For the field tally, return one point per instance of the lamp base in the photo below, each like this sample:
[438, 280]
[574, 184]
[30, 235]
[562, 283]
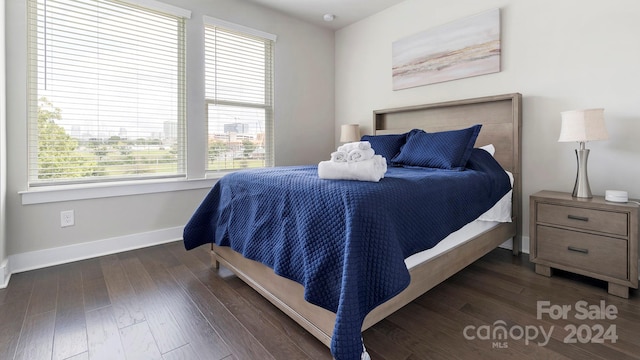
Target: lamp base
[581, 189]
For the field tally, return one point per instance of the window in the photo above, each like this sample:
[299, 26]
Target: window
[106, 91]
[238, 91]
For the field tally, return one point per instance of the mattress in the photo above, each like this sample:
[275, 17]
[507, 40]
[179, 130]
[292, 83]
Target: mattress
[499, 213]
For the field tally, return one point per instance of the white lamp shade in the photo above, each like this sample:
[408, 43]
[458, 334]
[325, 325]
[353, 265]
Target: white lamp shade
[349, 133]
[583, 125]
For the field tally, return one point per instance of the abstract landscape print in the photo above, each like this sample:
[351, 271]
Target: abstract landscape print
[460, 49]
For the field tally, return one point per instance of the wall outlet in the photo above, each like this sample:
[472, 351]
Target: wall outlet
[67, 218]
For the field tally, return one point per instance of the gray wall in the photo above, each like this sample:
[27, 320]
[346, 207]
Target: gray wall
[3, 149]
[304, 128]
[561, 55]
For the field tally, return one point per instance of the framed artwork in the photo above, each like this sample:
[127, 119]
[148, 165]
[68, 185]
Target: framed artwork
[460, 49]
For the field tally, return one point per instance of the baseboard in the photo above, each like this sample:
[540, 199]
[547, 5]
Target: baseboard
[5, 274]
[65, 254]
[524, 247]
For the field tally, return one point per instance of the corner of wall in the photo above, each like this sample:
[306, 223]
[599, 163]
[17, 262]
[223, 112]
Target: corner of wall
[524, 245]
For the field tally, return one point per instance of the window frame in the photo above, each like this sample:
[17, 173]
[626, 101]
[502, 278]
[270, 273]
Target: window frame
[268, 106]
[34, 72]
[197, 178]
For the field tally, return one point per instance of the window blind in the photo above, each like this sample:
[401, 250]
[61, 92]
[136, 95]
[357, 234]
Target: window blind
[239, 96]
[106, 92]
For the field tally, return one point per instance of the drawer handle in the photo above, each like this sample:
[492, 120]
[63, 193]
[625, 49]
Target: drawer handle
[572, 248]
[581, 218]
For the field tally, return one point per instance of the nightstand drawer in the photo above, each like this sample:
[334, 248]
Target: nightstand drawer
[581, 218]
[595, 253]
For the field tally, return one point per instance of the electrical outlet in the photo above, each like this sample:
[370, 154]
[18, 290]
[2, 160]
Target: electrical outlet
[67, 218]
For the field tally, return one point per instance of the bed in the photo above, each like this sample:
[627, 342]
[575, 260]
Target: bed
[500, 117]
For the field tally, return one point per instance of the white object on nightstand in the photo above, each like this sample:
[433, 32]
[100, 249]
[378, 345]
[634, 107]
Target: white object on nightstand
[616, 196]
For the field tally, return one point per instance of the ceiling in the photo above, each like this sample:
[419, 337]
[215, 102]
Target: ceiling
[346, 11]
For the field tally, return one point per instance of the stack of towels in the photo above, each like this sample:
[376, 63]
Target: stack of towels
[354, 161]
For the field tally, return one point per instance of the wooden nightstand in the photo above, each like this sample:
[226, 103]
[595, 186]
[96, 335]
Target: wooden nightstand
[592, 237]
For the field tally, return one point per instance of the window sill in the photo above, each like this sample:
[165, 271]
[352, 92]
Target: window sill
[51, 194]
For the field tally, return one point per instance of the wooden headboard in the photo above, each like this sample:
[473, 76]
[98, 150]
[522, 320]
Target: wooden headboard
[501, 119]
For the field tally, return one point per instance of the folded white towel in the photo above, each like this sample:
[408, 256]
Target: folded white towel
[339, 156]
[362, 145]
[381, 164]
[367, 170]
[360, 155]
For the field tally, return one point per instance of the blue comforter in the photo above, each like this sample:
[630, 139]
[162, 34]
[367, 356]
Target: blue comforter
[344, 241]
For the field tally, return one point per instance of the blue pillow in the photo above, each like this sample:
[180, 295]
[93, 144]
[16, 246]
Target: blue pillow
[445, 150]
[386, 145]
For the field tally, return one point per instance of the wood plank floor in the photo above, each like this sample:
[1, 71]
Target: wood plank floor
[166, 303]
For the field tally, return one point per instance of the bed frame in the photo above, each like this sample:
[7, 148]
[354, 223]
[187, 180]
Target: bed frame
[501, 119]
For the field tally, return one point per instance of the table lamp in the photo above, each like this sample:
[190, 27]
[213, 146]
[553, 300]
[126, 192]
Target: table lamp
[582, 126]
[349, 133]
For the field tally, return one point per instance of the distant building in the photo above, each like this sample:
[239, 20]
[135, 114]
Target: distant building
[170, 130]
[260, 138]
[237, 128]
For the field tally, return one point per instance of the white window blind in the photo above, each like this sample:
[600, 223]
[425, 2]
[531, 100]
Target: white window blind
[238, 91]
[106, 92]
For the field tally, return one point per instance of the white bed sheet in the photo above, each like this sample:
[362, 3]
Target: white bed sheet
[499, 213]
[456, 238]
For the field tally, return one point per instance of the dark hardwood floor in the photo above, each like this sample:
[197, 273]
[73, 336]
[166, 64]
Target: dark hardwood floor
[166, 303]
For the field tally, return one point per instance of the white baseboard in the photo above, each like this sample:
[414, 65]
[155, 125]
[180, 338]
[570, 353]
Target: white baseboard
[65, 254]
[5, 274]
[524, 247]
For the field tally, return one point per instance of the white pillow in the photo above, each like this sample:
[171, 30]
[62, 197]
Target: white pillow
[489, 148]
